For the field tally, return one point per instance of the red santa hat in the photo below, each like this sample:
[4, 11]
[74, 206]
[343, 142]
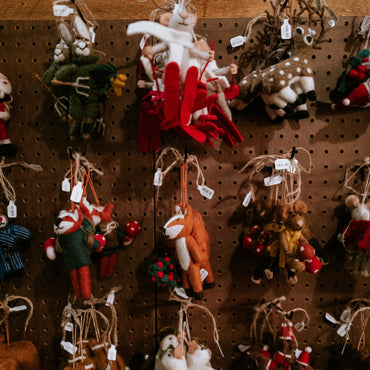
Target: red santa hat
[265, 351]
[285, 331]
[304, 357]
[314, 266]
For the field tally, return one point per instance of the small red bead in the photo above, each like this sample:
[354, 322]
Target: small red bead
[361, 69]
[160, 264]
[167, 259]
[160, 274]
[154, 279]
[163, 285]
[172, 266]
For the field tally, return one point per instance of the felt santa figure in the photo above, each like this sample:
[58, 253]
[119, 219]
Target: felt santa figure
[6, 147]
[304, 357]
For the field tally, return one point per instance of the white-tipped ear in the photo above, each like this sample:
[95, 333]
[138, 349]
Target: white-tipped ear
[178, 210]
[81, 28]
[186, 211]
[66, 33]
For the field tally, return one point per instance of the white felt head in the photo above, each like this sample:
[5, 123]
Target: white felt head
[61, 53]
[167, 341]
[201, 357]
[82, 47]
[66, 221]
[5, 86]
[169, 362]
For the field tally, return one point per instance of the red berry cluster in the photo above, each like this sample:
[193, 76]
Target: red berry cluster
[256, 239]
[163, 271]
[359, 73]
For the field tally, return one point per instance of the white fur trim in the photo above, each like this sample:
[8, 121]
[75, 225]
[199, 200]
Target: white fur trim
[50, 253]
[4, 115]
[183, 253]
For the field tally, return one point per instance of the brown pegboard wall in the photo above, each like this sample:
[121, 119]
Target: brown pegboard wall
[335, 140]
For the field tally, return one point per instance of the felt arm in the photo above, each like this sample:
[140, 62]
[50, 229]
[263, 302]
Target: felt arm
[49, 246]
[50, 73]
[197, 53]
[193, 248]
[66, 73]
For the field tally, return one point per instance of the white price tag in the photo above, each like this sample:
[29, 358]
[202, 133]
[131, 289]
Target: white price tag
[69, 347]
[110, 298]
[91, 366]
[181, 292]
[76, 194]
[343, 329]
[247, 199]
[62, 10]
[18, 308]
[203, 274]
[242, 348]
[282, 164]
[292, 166]
[299, 326]
[273, 180]
[66, 185]
[331, 318]
[12, 210]
[346, 315]
[68, 327]
[158, 178]
[286, 30]
[112, 353]
[237, 41]
[143, 41]
[206, 191]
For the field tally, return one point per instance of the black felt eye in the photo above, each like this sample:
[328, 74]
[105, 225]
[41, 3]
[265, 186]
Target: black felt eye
[299, 30]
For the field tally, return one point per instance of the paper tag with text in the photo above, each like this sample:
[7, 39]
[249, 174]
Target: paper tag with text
[203, 274]
[158, 178]
[272, 180]
[286, 30]
[76, 194]
[12, 210]
[247, 199]
[237, 41]
[68, 327]
[62, 10]
[66, 185]
[206, 191]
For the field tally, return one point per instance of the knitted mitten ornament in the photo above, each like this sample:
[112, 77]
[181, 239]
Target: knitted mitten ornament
[75, 239]
[6, 147]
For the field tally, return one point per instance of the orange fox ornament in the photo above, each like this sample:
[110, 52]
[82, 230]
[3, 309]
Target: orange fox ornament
[192, 249]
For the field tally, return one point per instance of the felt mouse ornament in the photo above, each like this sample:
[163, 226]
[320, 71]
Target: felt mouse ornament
[6, 147]
[116, 239]
[356, 236]
[88, 80]
[75, 239]
[288, 238]
[285, 87]
[192, 245]
[13, 239]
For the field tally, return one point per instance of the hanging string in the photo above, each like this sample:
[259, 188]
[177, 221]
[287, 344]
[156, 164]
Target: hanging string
[248, 30]
[4, 305]
[351, 174]
[185, 305]
[290, 188]
[6, 185]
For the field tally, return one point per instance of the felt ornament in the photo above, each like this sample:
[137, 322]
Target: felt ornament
[179, 99]
[164, 270]
[6, 147]
[285, 87]
[13, 238]
[85, 351]
[87, 80]
[75, 239]
[198, 357]
[116, 238]
[355, 236]
[357, 71]
[192, 249]
[170, 355]
[18, 354]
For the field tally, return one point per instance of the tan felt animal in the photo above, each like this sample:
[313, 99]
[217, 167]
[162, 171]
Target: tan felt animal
[192, 249]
